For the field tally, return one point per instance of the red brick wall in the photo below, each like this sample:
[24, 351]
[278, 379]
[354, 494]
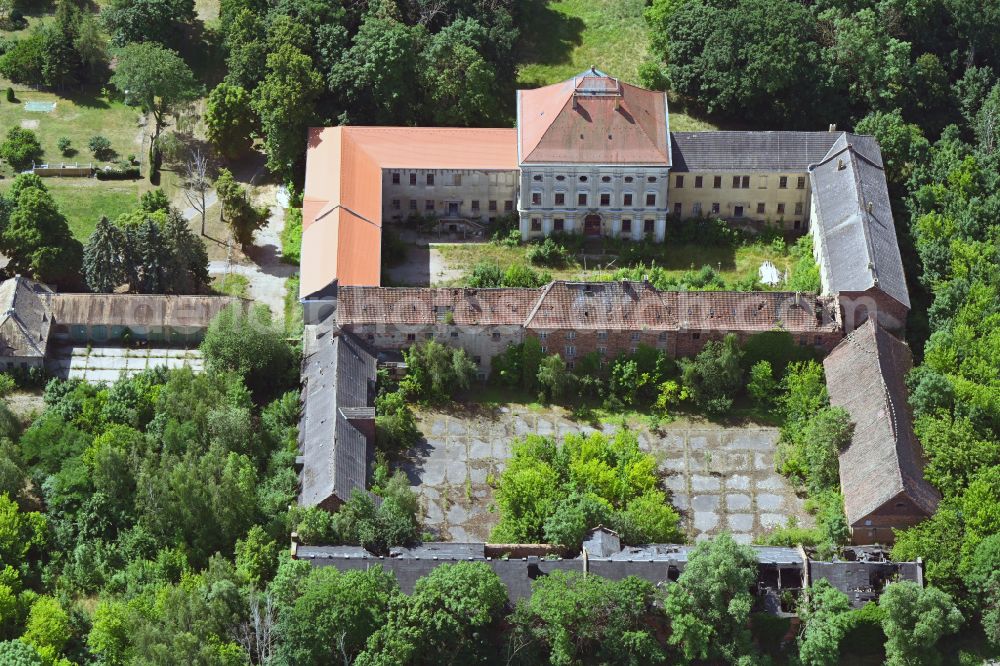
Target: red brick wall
[677, 344]
[857, 307]
[883, 520]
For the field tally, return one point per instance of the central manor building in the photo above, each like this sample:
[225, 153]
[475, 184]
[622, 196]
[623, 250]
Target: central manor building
[593, 155]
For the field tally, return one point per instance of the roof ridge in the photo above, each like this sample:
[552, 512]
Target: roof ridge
[886, 394]
[863, 206]
[538, 303]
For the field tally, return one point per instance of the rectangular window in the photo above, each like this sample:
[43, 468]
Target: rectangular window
[627, 199]
[798, 207]
[605, 199]
[413, 179]
[477, 360]
[429, 204]
[508, 206]
[781, 209]
[560, 198]
[746, 182]
[456, 179]
[395, 204]
[395, 178]
[536, 224]
[627, 226]
[783, 182]
[698, 181]
[430, 179]
[679, 182]
[696, 208]
[536, 198]
[581, 199]
[570, 351]
[648, 226]
[800, 183]
[543, 335]
[558, 224]
[571, 335]
[413, 204]
[677, 208]
[651, 200]
[715, 209]
[411, 337]
[602, 351]
[717, 182]
[736, 182]
[493, 205]
[635, 336]
[602, 335]
[760, 208]
[475, 205]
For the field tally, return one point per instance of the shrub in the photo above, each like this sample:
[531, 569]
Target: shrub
[65, 146]
[393, 247]
[119, 171]
[100, 146]
[485, 275]
[715, 375]
[547, 253]
[21, 148]
[291, 237]
[762, 386]
[10, 95]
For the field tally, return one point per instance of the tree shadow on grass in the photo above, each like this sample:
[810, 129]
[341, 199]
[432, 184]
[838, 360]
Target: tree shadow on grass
[549, 37]
[88, 98]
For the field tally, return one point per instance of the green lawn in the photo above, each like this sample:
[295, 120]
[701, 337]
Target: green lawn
[565, 37]
[84, 200]
[78, 118]
[732, 263]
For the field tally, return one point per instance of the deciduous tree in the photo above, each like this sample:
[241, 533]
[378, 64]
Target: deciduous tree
[156, 79]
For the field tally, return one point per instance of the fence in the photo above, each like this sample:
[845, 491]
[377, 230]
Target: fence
[63, 170]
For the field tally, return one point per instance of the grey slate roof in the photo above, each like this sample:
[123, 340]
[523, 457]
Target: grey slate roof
[338, 376]
[749, 151]
[866, 375]
[26, 318]
[854, 222]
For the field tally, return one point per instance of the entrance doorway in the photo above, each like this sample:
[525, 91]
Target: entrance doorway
[452, 209]
[592, 225]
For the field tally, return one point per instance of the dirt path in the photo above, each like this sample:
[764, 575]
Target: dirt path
[266, 272]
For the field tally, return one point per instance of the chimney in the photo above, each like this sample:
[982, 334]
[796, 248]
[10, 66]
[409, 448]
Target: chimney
[833, 127]
[593, 69]
[869, 207]
[840, 165]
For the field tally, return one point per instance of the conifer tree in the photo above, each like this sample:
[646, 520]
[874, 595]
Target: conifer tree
[152, 258]
[104, 258]
[188, 257]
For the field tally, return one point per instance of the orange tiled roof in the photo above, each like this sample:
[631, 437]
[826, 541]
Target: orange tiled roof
[483, 307]
[593, 119]
[633, 306]
[342, 206]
